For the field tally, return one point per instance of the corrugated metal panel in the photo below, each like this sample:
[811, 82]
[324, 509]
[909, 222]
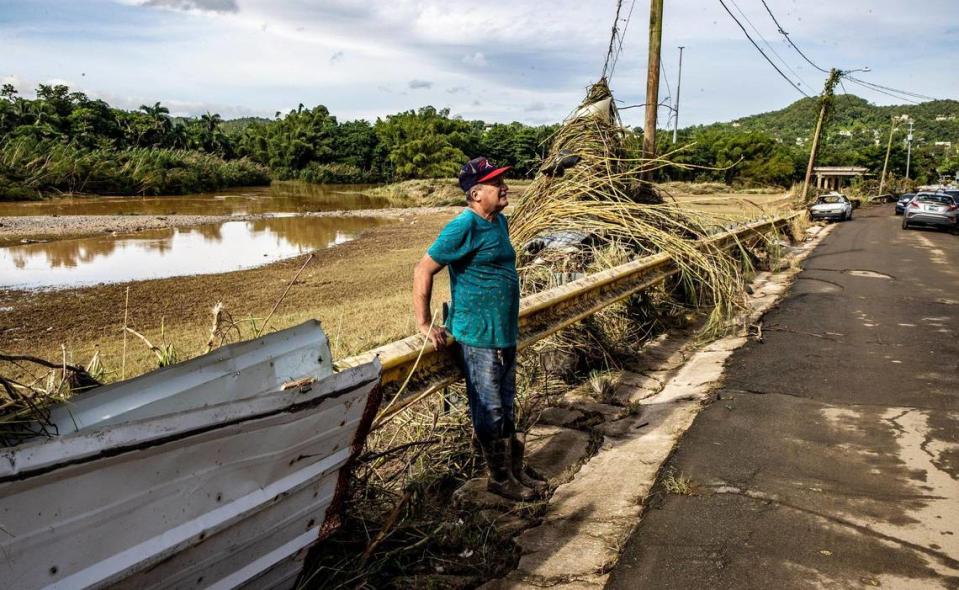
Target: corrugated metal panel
[239, 370]
[223, 495]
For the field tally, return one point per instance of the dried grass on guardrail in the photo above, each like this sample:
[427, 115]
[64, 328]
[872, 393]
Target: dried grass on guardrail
[605, 197]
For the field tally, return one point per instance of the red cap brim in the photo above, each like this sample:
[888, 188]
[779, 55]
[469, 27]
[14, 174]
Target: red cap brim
[494, 173]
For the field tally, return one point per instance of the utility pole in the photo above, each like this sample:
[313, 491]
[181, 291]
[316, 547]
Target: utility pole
[825, 101]
[885, 164]
[679, 82]
[652, 77]
[908, 149]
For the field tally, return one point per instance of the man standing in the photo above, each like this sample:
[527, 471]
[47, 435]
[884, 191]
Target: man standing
[483, 318]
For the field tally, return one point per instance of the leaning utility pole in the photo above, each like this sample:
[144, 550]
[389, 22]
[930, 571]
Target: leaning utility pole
[679, 82]
[825, 101]
[885, 164]
[652, 77]
[908, 149]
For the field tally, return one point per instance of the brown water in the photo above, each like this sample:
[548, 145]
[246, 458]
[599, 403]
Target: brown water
[280, 197]
[205, 249]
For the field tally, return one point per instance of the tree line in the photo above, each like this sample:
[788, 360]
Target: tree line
[64, 141]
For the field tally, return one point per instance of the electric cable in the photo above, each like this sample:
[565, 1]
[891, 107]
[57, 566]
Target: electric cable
[622, 37]
[669, 92]
[890, 89]
[759, 49]
[790, 41]
[769, 45]
[868, 87]
[612, 38]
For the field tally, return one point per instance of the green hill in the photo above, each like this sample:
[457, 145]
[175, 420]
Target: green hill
[773, 147]
[855, 122]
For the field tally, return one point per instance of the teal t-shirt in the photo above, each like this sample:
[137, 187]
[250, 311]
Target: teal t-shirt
[483, 280]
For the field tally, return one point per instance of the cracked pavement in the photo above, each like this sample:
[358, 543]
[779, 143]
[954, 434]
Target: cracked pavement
[830, 456]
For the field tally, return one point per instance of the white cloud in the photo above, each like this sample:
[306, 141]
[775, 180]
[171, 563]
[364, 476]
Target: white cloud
[202, 5]
[475, 59]
[420, 84]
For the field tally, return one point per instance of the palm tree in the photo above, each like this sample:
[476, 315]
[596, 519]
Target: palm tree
[161, 121]
[211, 121]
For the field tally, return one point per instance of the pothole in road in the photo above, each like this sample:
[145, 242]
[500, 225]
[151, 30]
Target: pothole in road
[869, 274]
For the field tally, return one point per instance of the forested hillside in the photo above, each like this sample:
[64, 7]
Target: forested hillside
[856, 133]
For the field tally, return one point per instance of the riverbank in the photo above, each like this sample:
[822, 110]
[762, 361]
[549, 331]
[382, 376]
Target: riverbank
[360, 290]
[46, 228]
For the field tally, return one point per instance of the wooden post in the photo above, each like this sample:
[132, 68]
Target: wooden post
[885, 164]
[825, 102]
[652, 77]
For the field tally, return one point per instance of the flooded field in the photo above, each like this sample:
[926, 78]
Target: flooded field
[152, 252]
[280, 197]
[206, 249]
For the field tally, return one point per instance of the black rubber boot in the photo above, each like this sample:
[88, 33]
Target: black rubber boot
[521, 471]
[501, 480]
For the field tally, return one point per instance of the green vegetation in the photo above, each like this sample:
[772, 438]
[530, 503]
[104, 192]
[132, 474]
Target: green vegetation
[63, 141]
[775, 146]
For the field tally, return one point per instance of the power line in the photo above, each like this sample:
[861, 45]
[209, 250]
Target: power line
[622, 37]
[612, 38]
[867, 86]
[768, 44]
[790, 41]
[887, 90]
[890, 89]
[669, 91]
[759, 49]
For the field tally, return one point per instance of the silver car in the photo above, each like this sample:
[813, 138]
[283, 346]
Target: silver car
[832, 206]
[938, 209]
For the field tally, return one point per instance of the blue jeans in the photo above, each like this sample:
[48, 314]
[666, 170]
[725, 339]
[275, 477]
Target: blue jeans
[491, 389]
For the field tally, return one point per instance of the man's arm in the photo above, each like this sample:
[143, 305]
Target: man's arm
[423, 275]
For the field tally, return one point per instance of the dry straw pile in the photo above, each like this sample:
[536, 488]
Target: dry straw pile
[605, 202]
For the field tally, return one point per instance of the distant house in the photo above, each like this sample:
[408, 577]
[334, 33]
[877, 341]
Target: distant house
[945, 144]
[845, 133]
[832, 178]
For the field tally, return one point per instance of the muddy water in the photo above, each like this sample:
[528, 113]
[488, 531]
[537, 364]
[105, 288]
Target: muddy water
[214, 248]
[280, 197]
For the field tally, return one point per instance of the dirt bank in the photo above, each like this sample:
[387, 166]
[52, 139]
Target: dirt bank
[359, 290]
[33, 228]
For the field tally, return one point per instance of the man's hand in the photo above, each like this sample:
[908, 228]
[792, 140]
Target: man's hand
[435, 334]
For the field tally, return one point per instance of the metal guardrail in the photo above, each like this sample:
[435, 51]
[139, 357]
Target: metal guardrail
[543, 314]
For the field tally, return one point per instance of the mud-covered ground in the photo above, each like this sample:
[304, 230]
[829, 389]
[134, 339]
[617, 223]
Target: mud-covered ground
[360, 290]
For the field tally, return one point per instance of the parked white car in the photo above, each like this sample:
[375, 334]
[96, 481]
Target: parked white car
[832, 206]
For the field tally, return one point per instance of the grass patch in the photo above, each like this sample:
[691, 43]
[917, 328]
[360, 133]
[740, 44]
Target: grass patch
[679, 485]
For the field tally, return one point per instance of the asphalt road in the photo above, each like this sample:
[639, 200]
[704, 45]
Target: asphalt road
[830, 458]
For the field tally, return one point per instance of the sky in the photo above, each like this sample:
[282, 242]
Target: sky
[496, 60]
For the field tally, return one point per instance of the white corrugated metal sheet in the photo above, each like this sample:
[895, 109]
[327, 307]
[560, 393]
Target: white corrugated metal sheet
[233, 372]
[220, 492]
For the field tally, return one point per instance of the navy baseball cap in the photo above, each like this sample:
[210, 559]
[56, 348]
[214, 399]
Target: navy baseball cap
[478, 170]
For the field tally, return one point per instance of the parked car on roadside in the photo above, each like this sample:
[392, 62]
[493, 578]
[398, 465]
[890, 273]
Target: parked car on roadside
[833, 206]
[903, 201]
[935, 209]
